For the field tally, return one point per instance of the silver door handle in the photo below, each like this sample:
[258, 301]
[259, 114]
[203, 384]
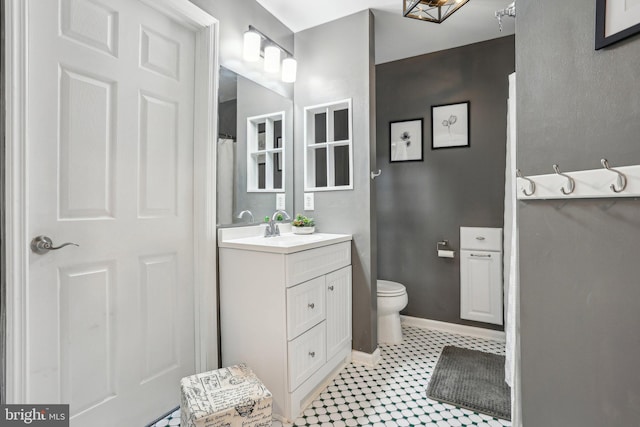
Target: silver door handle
[481, 256]
[43, 244]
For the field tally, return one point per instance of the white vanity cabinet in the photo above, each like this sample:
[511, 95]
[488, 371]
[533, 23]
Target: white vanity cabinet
[481, 274]
[288, 316]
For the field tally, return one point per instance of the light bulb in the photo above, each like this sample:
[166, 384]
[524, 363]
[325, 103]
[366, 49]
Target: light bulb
[289, 70]
[271, 59]
[251, 51]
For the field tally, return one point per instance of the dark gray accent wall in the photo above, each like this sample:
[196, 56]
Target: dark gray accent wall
[579, 269]
[421, 203]
[335, 62]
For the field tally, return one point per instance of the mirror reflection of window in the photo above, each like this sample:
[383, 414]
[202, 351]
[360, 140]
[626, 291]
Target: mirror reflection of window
[321, 128]
[262, 173]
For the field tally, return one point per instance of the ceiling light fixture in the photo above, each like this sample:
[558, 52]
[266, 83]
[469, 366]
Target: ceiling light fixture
[256, 43]
[431, 10]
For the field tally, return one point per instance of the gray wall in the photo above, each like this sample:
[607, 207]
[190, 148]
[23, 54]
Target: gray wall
[335, 62]
[421, 203]
[235, 16]
[579, 269]
[255, 100]
[228, 118]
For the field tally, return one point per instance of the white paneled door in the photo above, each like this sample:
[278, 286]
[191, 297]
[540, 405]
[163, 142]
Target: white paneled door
[110, 323]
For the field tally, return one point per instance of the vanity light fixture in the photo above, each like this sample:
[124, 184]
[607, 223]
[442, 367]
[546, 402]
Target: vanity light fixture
[251, 48]
[431, 10]
[272, 59]
[289, 70]
[257, 44]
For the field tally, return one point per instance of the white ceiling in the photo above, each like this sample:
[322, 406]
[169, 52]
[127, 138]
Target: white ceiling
[397, 37]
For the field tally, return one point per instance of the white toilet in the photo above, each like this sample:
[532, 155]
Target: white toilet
[392, 297]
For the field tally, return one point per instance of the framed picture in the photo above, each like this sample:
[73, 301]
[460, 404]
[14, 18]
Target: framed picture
[616, 20]
[405, 141]
[450, 125]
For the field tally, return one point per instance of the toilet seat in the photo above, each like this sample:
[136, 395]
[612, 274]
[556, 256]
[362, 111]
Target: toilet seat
[387, 288]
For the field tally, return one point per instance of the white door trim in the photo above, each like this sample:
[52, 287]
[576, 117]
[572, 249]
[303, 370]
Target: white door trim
[17, 180]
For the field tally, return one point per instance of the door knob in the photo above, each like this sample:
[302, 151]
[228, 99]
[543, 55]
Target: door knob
[43, 244]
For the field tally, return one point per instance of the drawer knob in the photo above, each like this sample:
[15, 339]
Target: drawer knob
[480, 238]
[312, 353]
[311, 306]
[331, 287]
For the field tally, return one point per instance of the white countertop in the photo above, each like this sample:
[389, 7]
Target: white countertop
[252, 239]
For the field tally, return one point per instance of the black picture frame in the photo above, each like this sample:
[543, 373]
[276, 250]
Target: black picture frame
[601, 16]
[405, 136]
[461, 111]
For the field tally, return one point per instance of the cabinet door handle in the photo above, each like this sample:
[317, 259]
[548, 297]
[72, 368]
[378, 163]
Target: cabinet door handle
[481, 256]
[479, 238]
[331, 287]
[312, 353]
[311, 306]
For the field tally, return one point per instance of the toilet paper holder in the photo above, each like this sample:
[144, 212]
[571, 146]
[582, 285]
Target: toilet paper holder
[443, 245]
[443, 250]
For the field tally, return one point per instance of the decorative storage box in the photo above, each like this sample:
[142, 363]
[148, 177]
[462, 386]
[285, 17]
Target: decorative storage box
[228, 397]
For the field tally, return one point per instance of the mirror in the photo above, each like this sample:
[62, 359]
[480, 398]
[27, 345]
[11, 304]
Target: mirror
[255, 150]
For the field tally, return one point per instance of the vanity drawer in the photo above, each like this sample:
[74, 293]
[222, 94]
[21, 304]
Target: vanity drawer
[306, 265]
[307, 354]
[481, 238]
[305, 306]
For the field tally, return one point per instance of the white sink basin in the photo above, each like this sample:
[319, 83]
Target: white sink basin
[285, 244]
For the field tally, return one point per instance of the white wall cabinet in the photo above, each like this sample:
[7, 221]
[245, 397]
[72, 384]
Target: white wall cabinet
[481, 274]
[288, 316]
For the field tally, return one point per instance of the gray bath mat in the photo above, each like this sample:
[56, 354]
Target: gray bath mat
[471, 379]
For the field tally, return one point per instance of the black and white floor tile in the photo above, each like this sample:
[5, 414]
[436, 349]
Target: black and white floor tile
[394, 392]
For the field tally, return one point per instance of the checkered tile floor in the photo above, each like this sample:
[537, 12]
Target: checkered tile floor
[394, 392]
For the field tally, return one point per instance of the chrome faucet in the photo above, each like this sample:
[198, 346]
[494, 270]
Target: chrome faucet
[248, 212]
[272, 229]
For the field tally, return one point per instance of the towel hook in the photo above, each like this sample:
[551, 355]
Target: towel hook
[532, 185]
[374, 175]
[572, 183]
[622, 179]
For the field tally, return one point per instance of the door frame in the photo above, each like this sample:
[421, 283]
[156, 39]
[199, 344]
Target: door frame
[206, 30]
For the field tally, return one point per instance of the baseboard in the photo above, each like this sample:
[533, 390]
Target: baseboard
[454, 328]
[369, 359]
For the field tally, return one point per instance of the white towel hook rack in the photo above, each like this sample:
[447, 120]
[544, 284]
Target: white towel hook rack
[581, 184]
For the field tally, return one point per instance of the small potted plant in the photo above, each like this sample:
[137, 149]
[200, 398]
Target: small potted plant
[303, 225]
